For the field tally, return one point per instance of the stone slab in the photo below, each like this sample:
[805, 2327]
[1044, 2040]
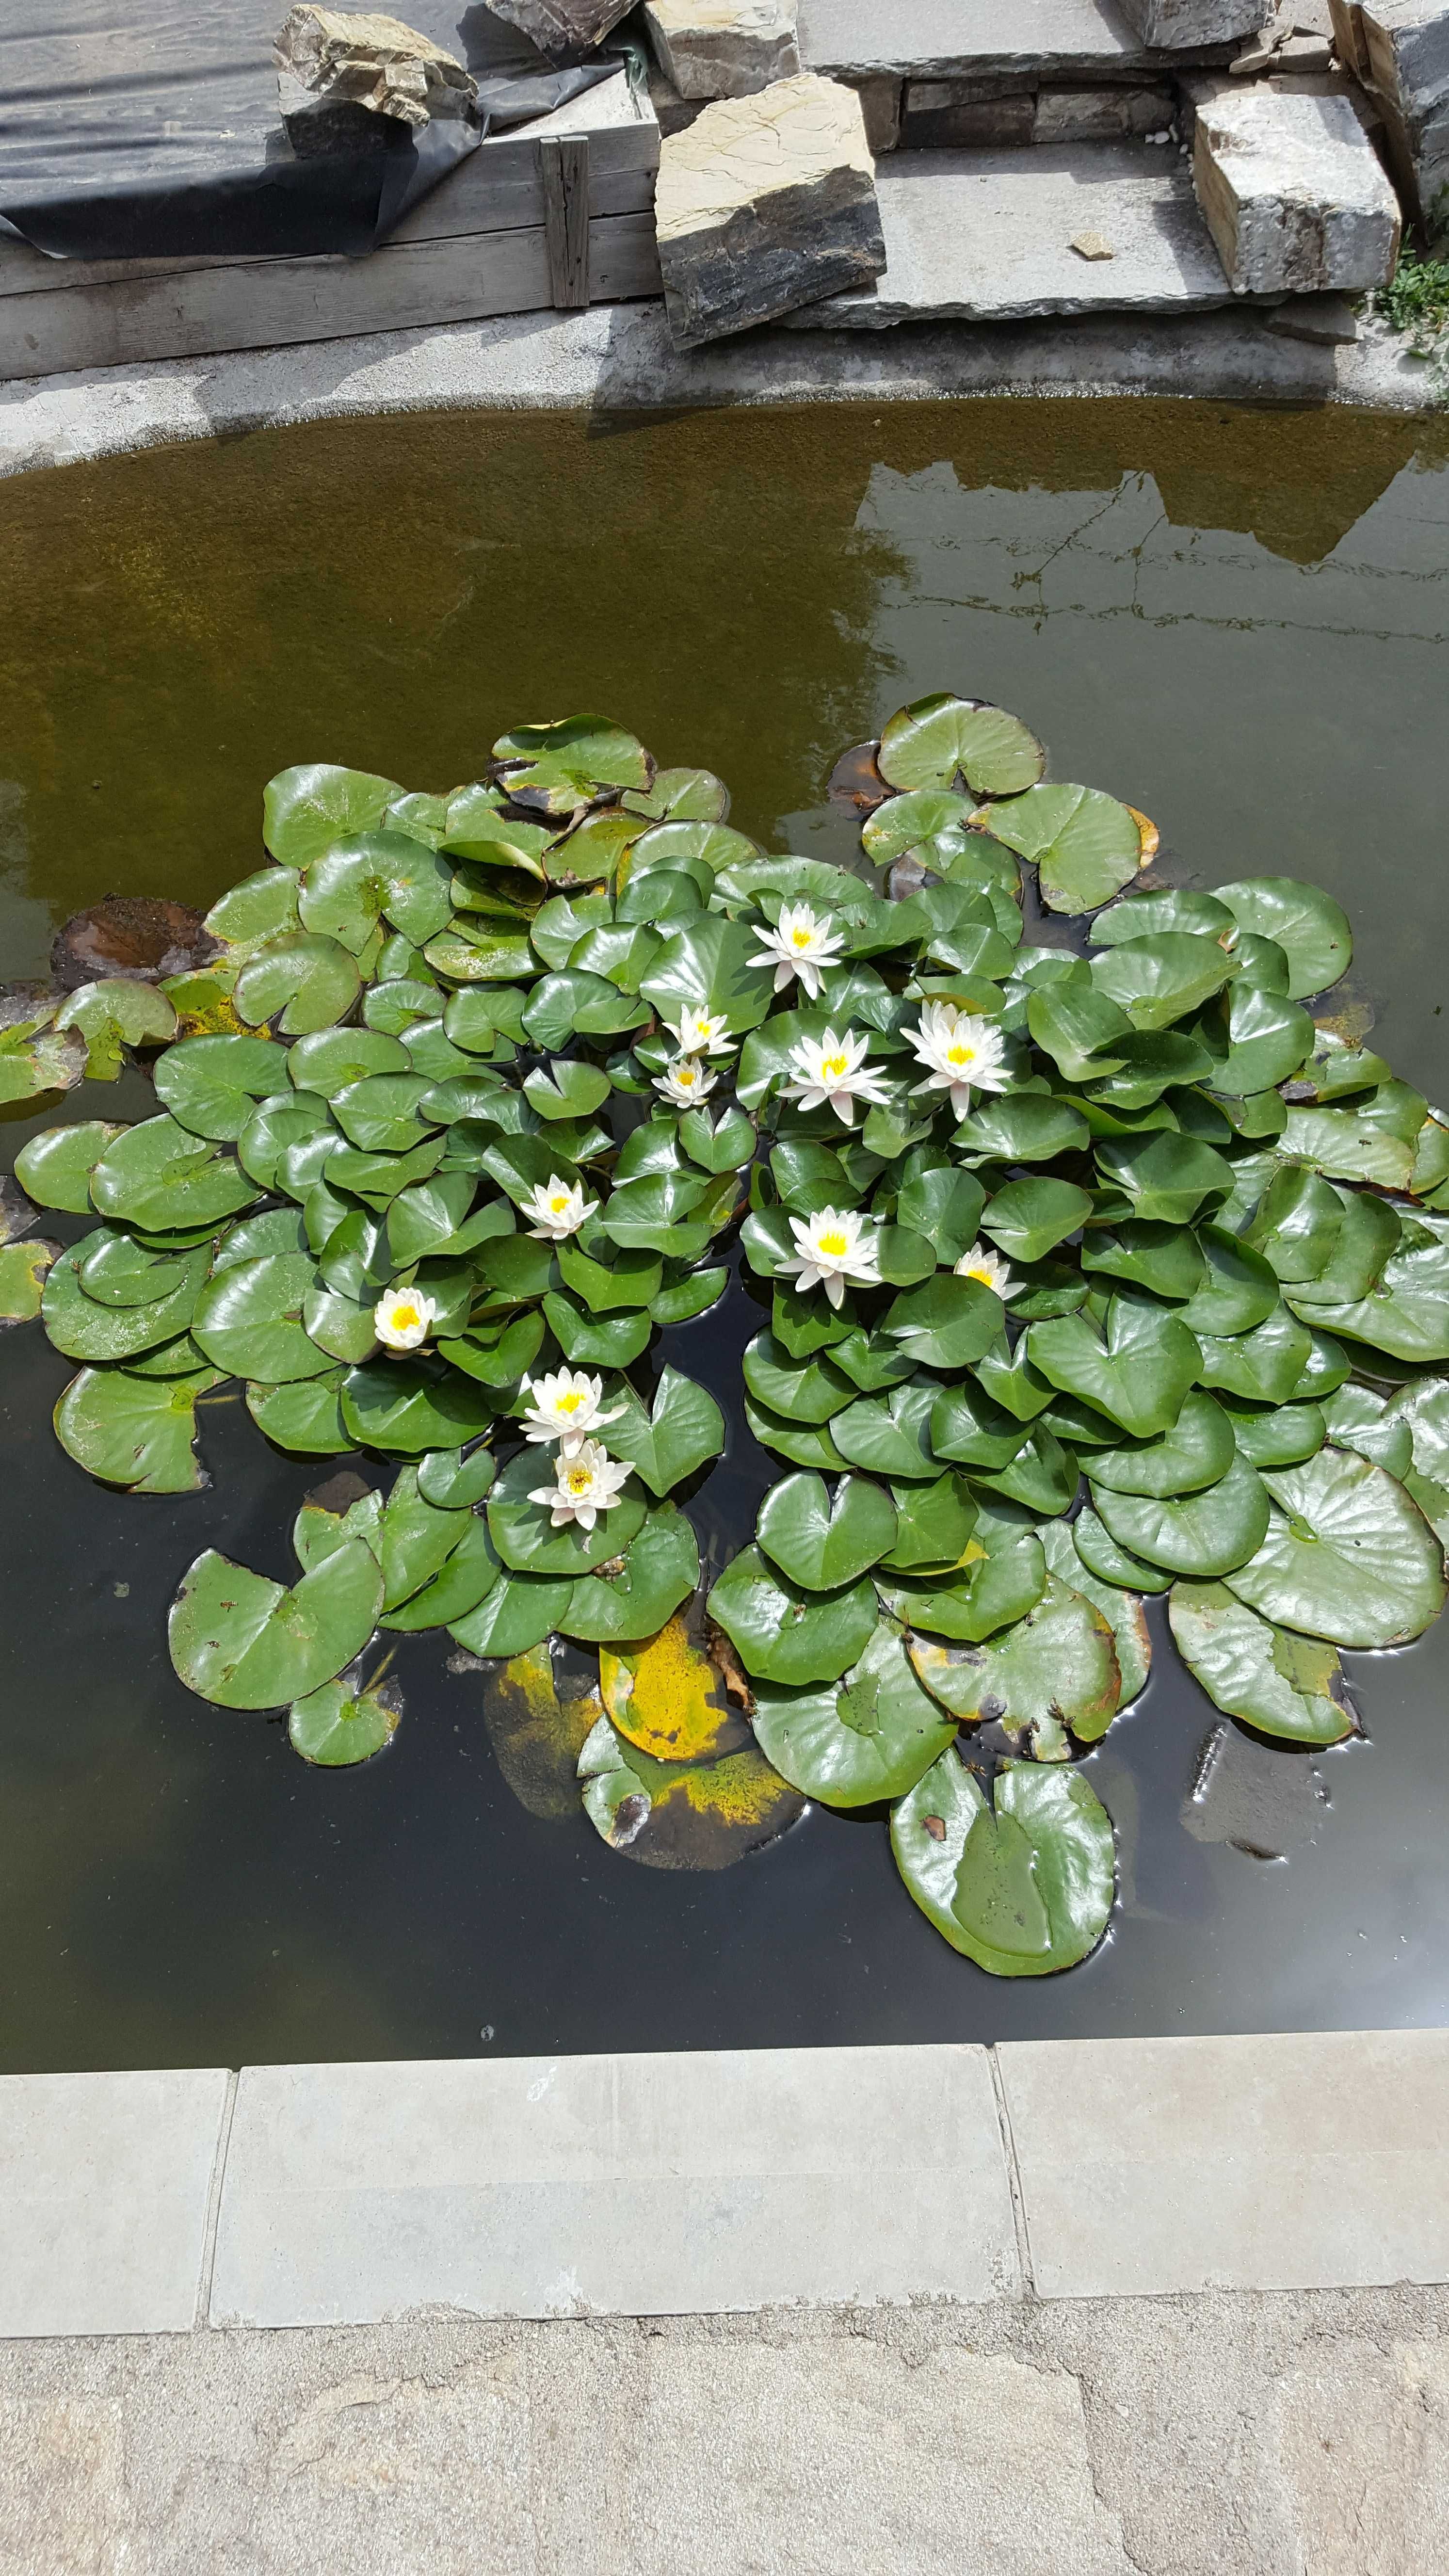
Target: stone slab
[1292, 189]
[975, 39]
[723, 48]
[765, 203]
[105, 2185]
[649, 2185]
[1401, 49]
[986, 236]
[1191, 25]
[1290, 2161]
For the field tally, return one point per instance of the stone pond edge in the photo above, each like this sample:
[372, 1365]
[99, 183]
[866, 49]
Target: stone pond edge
[711, 2182]
[620, 358]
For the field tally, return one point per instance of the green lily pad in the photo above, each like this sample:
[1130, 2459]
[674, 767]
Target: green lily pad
[47, 1060]
[525, 1538]
[351, 885]
[564, 762]
[1086, 845]
[1296, 1224]
[1026, 1218]
[818, 1542]
[1168, 1178]
[160, 1178]
[1373, 1138]
[1347, 1555]
[869, 1736]
[135, 1431]
[1277, 1435]
[1102, 1556]
[1202, 1534]
[704, 965]
[242, 1641]
[1077, 1026]
[86, 1329]
[996, 1588]
[251, 914]
[305, 810]
[23, 1270]
[302, 983]
[406, 1407]
[1165, 1259]
[596, 1341]
[1122, 1610]
[248, 1320]
[935, 740]
[1024, 1888]
[786, 1632]
[338, 1724]
[1137, 1370]
[624, 1604]
[1159, 980]
[889, 1434]
[1305, 923]
[803, 1391]
[1239, 1291]
[1027, 1127]
[1056, 1669]
[465, 1577]
[1368, 1236]
[667, 1441]
[1267, 1037]
[1043, 1475]
[1282, 1684]
[1148, 914]
[805, 1444]
[1264, 1365]
[1192, 1454]
[934, 1524]
[113, 1016]
[682, 1815]
[212, 1085]
[55, 1167]
[945, 1322]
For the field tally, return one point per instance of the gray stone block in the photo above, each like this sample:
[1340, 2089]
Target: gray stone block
[723, 48]
[1292, 191]
[1110, 115]
[987, 236]
[763, 204]
[881, 102]
[1404, 59]
[103, 2211]
[963, 39]
[629, 2186]
[562, 26]
[1185, 26]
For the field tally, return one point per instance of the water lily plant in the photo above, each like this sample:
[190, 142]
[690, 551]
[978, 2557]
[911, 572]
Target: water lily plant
[833, 1069]
[801, 943]
[587, 1481]
[558, 1209]
[833, 1248]
[962, 1053]
[403, 1318]
[980, 1262]
[565, 1405]
[685, 1081]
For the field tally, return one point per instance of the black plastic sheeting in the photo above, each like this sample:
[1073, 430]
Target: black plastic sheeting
[152, 129]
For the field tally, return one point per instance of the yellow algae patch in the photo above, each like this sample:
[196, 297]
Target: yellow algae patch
[676, 1815]
[669, 1699]
[203, 1004]
[536, 1736]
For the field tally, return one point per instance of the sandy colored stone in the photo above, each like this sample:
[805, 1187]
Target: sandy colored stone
[1108, 115]
[1403, 56]
[370, 61]
[764, 204]
[723, 48]
[1362, 2435]
[1292, 191]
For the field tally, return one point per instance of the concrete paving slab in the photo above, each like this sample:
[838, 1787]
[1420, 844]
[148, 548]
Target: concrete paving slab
[107, 2184]
[1288, 2161]
[650, 2185]
[987, 237]
[979, 39]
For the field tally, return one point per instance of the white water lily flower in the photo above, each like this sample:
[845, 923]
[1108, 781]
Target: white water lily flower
[987, 1266]
[831, 1248]
[558, 1209]
[587, 1482]
[701, 1032]
[961, 1051]
[403, 1318]
[801, 942]
[685, 1081]
[567, 1404]
[833, 1069]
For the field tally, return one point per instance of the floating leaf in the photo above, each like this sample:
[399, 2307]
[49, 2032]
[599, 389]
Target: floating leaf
[1196, 1450]
[1265, 1365]
[159, 1177]
[112, 1016]
[248, 1320]
[135, 1431]
[1112, 1564]
[304, 982]
[1267, 1038]
[1284, 1685]
[867, 1737]
[85, 1328]
[1122, 1610]
[23, 1268]
[1239, 1291]
[682, 1815]
[242, 1641]
[665, 1444]
[630, 1599]
[1200, 1534]
[666, 1696]
[704, 965]
[1168, 1178]
[406, 1406]
[304, 1416]
[56, 1167]
[523, 1534]
[305, 810]
[563, 763]
[339, 1724]
[935, 740]
[945, 1322]
[259, 909]
[786, 1632]
[1022, 1889]
[1000, 1582]
[1028, 1217]
[1086, 845]
[1346, 1555]
[1055, 1669]
[1303, 921]
[818, 1542]
[1137, 1371]
[889, 1434]
[53, 1060]
[351, 885]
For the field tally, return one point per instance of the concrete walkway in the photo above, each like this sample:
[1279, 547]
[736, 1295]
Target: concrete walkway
[620, 357]
[1302, 2434]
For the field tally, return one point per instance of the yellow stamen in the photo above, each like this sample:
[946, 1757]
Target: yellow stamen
[569, 1403]
[834, 1064]
[961, 1055]
[558, 1203]
[580, 1479]
[404, 1318]
[800, 938]
[834, 1245]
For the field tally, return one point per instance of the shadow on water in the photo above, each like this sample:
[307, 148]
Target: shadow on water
[1236, 619]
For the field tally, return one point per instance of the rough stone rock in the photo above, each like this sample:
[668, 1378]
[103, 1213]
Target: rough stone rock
[562, 26]
[1402, 55]
[138, 938]
[671, 112]
[723, 48]
[1292, 191]
[1184, 25]
[1101, 115]
[955, 116]
[1327, 320]
[765, 203]
[371, 61]
[882, 102]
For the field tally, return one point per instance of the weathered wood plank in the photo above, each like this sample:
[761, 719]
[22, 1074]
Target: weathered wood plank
[564, 163]
[260, 304]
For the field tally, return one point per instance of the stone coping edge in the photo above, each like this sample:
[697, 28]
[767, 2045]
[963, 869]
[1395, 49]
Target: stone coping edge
[717, 2181]
[620, 358]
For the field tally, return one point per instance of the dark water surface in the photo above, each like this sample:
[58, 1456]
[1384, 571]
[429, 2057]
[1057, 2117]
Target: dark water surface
[1235, 620]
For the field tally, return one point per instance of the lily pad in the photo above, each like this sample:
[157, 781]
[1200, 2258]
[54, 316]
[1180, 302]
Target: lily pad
[820, 1542]
[624, 1601]
[406, 1407]
[1055, 1670]
[996, 1587]
[248, 1320]
[1267, 1037]
[1239, 1291]
[945, 1322]
[1102, 1556]
[536, 1733]
[1137, 1370]
[86, 1329]
[523, 1534]
[1022, 1888]
[1192, 1454]
[1306, 923]
[1086, 845]
[339, 1724]
[935, 740]
[704, 965]
[667, 1697]
[242, 1641]
[1202, 1534]
[933, 1525]
[786, 1632]
[55, 1168]
[889, 1434]
[1159, 980]
[1282, 1684]
[113, 1016]
[23, 1270]
[1028, 1217]
[1122, 1610]
[304, 810]
[869, 1736]
[514, 1616]
[666, 1442]
[161, 1178]
[1347, 1555]
[682, 1815]
[1265, 1365]
[302, 983]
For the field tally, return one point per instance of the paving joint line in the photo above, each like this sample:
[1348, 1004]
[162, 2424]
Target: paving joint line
[213, 2202]
[1013, 2176]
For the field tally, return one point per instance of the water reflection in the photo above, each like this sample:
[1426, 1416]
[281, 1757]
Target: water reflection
[1234, 619]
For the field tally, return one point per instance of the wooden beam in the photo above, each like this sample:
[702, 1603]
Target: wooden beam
[564, 166]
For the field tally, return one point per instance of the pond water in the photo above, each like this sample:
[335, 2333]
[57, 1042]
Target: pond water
[1235, 620]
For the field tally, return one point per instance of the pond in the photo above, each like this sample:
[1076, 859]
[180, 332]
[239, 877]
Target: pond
[1235, 620]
